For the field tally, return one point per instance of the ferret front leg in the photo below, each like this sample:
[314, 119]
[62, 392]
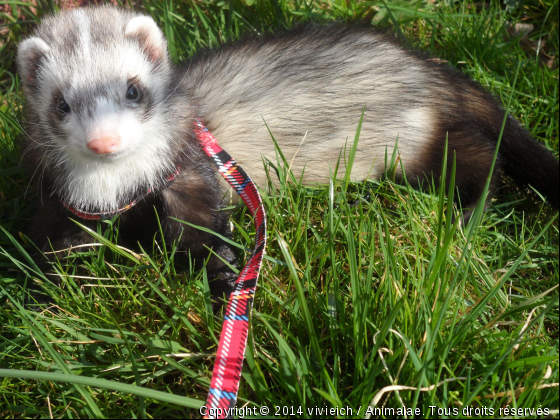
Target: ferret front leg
[52, 228]
[199, 204]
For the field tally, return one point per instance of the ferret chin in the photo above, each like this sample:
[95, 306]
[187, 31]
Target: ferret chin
[111, 118]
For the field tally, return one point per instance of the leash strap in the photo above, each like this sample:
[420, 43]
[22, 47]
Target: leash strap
[233, 339]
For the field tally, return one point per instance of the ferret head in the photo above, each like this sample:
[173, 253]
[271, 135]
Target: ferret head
[97, 81]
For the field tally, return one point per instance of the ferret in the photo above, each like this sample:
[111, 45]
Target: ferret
[111, 118]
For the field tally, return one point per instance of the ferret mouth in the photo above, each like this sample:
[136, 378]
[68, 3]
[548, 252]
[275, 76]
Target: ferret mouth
[108, 157]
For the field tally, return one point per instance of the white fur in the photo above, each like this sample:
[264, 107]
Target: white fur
[85, 39]
[26, 50]
[155, 39]
[103, 182]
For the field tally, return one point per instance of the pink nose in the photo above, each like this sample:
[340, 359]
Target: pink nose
[104, 144]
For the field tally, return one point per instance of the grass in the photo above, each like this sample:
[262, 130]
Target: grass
[364, 286]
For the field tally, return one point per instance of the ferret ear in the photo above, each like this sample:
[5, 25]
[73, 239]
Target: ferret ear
[150, 37]
[29, 56]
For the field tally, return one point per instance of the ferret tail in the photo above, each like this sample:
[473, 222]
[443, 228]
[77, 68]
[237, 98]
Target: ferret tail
[529, 162]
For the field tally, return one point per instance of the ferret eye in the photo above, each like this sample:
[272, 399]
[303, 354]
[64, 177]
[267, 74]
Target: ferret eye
[63, 106]
[133, 93]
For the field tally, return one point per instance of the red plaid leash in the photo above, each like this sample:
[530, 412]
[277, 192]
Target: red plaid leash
[233, 339]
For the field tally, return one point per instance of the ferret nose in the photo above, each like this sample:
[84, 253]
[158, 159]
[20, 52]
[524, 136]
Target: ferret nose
[104, 144]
